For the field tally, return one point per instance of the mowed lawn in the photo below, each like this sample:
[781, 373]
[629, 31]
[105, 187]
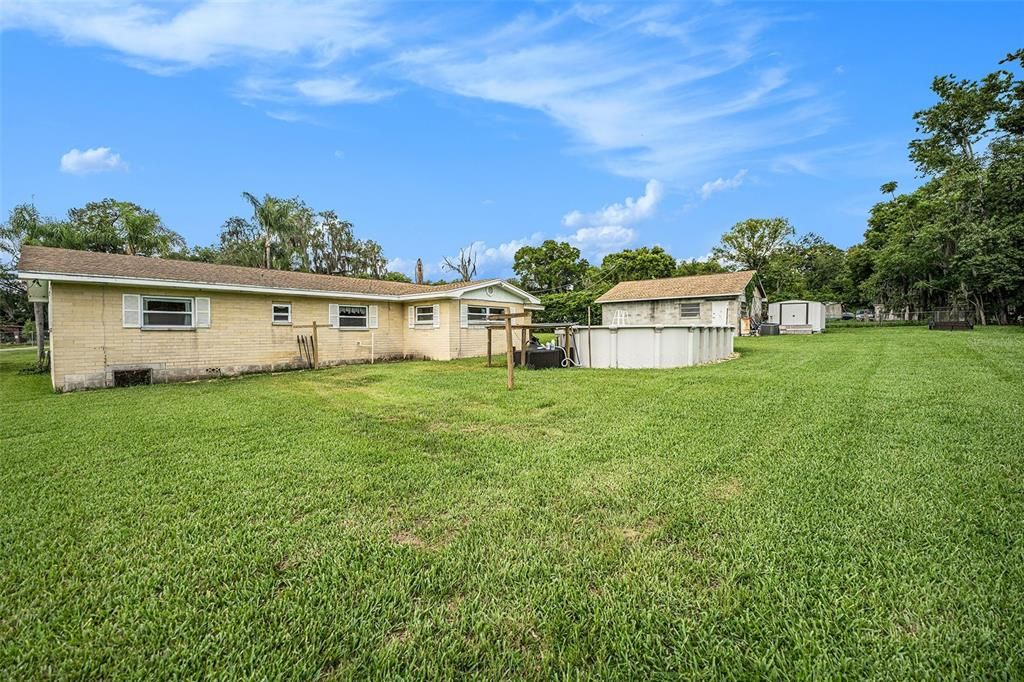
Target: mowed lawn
[844, 505]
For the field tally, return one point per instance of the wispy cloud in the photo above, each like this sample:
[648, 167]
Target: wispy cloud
[97, 160]
[338, 90]
[722, 184]
[645, 91]
[673, 92]
[163, 37]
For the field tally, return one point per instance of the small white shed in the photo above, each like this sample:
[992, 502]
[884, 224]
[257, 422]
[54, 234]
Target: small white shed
[798, 317]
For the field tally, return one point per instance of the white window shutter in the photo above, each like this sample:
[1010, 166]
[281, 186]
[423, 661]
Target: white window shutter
[131, 310]
[412, 317]
[332, 314]
[371, 317]
[437, 316]
[464, 316]
[202, 312]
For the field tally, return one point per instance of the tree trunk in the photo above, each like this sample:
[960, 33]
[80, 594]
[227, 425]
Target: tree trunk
[980, 306]
[266, 251]
[40, 331]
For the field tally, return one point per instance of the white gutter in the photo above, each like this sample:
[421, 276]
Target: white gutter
[277, 291]
[666, 298]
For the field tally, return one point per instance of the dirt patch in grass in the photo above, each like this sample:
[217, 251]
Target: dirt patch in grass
[729, 490]
[640, 533]
[409, 540]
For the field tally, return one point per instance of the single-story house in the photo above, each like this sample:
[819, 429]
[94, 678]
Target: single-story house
[180, 320]
[701, 300]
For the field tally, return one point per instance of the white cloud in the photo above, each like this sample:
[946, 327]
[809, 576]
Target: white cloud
[602, 240]
[601, 232]
[338, 90]
[644, 91]
[628, 211]
[166, 37]
[504, 253]
[722, 184]
[655, 92]
[98, 160]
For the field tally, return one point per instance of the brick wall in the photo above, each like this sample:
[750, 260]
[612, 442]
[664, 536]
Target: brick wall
[89, 342]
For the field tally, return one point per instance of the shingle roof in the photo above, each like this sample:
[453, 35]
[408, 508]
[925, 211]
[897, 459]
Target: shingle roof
[725, 284]
[43, 260]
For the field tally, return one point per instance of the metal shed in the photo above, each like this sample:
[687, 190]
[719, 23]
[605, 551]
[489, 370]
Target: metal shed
[798, 317]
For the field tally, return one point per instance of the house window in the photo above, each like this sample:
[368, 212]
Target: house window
[281, 313]
[352, 316]
[478, 314]
[689, 310]
[167, 313]
[424, 314]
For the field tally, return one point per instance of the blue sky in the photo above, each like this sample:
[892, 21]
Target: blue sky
[434, 126]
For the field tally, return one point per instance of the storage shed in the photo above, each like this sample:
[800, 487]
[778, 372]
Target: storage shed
[798, 317]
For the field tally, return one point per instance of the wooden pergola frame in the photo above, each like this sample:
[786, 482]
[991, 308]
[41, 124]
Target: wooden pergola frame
[524, 331]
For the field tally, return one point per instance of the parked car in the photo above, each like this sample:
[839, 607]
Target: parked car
[865, 315]
[849, 315]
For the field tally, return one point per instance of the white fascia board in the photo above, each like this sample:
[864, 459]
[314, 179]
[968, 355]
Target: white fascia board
[173, 284]
[668, 298]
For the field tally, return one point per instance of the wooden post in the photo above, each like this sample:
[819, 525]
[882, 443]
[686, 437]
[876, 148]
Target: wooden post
[489, 330]
[316, 348]
[522, 349]
[568, 346]
[508, 352]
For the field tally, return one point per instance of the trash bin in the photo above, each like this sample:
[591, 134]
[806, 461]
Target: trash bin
[768, 329]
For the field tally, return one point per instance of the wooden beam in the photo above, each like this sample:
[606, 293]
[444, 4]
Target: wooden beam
[522, 349]
[489, 330]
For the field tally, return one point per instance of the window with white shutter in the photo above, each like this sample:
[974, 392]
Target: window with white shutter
[202, 312]
[131, 310]
[437, 315]
[373, 317]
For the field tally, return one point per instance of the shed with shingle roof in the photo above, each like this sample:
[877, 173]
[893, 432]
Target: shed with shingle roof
[705, 300]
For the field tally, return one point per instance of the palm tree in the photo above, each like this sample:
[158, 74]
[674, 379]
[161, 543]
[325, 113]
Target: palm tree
[273, 217]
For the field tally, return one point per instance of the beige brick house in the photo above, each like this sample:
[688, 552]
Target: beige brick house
[719, 300]
[179, 320]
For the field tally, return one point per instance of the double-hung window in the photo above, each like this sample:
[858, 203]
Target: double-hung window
[281, 313]
[689, 310]
[353, 317]
[167, 313]
[425, 314]
[478, 314]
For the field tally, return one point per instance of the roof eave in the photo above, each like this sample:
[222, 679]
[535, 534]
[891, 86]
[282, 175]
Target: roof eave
[666, 298]
[213, 286]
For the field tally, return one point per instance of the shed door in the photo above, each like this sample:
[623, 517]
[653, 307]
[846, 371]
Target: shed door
[719, 313]
[793, 313]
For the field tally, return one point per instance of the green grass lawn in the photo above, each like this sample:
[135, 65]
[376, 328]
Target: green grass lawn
[843, 505]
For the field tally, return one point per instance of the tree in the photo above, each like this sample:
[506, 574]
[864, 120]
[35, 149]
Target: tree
[115, 226]
[751, 243]
[273, 217]
[464, 265]
[646, 262]
[398, 277]
[552, 266]
[687, 268]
